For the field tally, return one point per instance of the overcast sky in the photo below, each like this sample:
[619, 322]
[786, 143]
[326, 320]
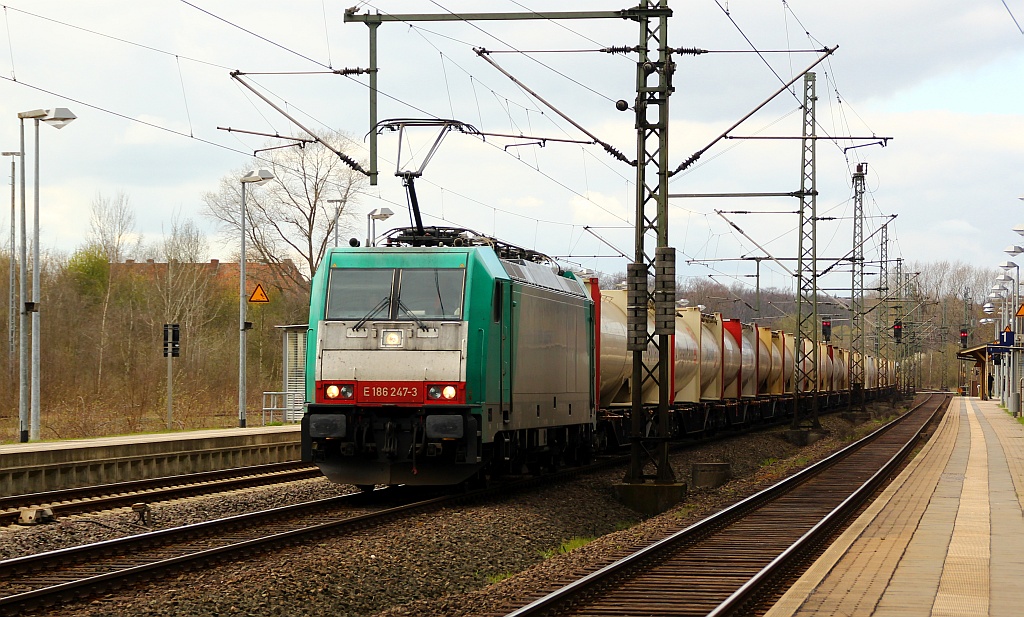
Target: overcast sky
[150, 84]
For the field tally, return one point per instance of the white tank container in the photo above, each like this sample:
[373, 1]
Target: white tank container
[710, 356]
[840, 372]
[731, 360]
[687, 355]
[750, 362]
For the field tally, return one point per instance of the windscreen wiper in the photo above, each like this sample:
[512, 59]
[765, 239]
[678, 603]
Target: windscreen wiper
[418, 321]
[386, 300]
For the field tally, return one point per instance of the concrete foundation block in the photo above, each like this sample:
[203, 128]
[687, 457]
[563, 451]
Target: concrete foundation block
[710, 475]
[855, 417]
[650, 499]
[802, 437]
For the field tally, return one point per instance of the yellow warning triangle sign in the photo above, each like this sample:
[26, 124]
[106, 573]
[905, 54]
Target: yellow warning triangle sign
[258, 295]
[1020, 311]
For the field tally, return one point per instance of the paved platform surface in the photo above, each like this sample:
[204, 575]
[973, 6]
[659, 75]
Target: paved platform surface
[945, 538]
[67, 444]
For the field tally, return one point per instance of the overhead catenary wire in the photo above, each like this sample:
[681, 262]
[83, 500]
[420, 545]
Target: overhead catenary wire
[191, 134]
[610, 149]
[259, 36]
[586, 190]
[182, 56]
[106, 36]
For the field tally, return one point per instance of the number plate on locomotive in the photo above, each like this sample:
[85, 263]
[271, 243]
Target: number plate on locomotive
[389, 392]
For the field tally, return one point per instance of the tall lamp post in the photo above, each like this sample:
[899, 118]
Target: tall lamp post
[58, 117]
[256, 177]
[377, 214]
[1014, 303]
[10, 287]
[996, 294]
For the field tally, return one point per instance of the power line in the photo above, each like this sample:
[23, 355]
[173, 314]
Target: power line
[106, 36]
[260, 37]
[1015, 22]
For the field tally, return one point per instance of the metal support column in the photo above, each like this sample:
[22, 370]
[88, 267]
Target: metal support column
[857, 347]
[652, 259]
[897, 313]
[883, 333]
[806, 343]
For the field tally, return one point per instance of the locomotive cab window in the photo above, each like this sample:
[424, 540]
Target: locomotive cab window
[431, 293]
[360, 293]
[395, 294]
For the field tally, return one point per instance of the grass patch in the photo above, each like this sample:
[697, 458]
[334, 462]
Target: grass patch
[683, 512]
[497, 578]
[768, 462]
[566, 547]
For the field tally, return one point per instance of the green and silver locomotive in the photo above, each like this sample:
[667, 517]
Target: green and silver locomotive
[445, 356]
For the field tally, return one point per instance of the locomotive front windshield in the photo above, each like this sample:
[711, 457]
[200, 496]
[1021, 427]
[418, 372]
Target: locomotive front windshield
[395, 293]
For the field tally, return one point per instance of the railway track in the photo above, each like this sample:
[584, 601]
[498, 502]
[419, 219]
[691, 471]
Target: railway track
[25, 508]
[55, 577]
[730, 562]
[66, 575]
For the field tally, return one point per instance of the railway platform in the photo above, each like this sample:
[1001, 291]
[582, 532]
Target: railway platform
[946, 537]
[51, 465]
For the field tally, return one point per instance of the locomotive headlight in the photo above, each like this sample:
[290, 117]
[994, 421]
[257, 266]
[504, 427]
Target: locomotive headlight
[334, 391]
[391, 338]
[438, 392]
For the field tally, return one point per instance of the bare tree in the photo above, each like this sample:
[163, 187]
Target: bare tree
[112, 229]
[290, 217]
[112, 226]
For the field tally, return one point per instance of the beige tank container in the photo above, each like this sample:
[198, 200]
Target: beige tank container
[616, 361]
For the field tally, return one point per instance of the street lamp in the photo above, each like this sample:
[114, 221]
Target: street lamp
[58, 117]
[256, 177]
[1015, 395]
[337, 211]
[10, 287]
[377, 214]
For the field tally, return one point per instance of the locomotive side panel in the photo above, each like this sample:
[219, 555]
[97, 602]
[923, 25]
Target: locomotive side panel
[551, 381]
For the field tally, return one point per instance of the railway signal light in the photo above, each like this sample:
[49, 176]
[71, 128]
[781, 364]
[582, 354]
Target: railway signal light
[172, 340]
[963, 338]
[897, 330]
[826, 329]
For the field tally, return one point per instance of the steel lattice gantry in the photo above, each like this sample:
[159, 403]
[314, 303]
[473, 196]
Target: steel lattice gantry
[857, 347]
[882, 336]
[806, 342]
[652, 259]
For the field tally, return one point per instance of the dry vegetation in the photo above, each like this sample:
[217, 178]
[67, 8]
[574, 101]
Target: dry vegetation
[103, 370]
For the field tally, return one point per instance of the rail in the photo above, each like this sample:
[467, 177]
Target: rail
[586, 589]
